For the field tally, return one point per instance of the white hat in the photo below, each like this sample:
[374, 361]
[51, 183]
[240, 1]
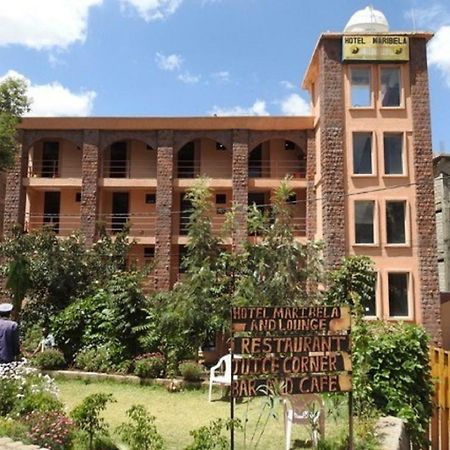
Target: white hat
[5, 307]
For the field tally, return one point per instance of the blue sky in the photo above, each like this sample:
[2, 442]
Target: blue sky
[193, 57]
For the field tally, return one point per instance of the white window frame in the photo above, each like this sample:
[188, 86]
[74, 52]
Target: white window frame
[378, 305]
[410, 295]
[372, 153]
[407, 242]
[371, 87]
[404, 158]
[401, 87]
[375, 242]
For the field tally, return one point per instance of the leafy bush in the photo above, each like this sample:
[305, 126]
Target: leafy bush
[41, 401]
[33, 336]
[210, 437]
[140, 433]
[399, 375]
[52, 430]
[13, 429]
[191, 371]
[49, 359]
[87, 416]
[150, 365]
[21, 387]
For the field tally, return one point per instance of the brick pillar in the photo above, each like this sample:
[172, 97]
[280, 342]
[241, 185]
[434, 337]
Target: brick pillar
[164, 200]
[240, 187]
[15, 196]
[425, 214]
[90, 169]
[332, 150]
[311, 204]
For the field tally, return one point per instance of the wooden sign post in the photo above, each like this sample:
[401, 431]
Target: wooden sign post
[298, 349]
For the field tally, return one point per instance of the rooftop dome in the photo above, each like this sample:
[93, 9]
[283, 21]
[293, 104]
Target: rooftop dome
[367, 20]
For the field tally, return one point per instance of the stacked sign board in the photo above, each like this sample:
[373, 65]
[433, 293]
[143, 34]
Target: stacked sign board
[300, 349]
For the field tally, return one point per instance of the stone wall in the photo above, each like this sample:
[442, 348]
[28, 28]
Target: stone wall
[425, 213]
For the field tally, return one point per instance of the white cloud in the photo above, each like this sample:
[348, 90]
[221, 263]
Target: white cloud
[189, 78]
[44, 24]
[439, 52]
[257, 109]
[169, 63]
[294, 105]
[53, 99]
[152, 9]
[287, 84]
[433, 16]
[222, 77]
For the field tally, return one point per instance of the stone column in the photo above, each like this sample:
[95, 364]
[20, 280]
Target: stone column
[15, 195]
[90, 168]
[332, 149]
[164, 201]
[425, 214]
[240, 187]
[311, 204]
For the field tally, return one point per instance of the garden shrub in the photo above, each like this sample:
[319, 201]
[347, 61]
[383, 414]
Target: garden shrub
[191, 371]
[52, 429]
[211, 437]
[13, 429]
[37, 401]
[50, 359]
[140, 432]
[20, 388]
[399, 375]
[150, 365]
[87, 417]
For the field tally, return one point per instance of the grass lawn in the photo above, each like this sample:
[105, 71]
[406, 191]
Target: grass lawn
[178, 413]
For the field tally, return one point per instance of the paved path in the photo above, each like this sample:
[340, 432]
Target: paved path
[9, 444]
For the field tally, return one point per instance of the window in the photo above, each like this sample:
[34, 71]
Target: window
[364, 221]
[361, 95]
[390, 86]
[150, 199]
[362, 153]
[50, 159]
[220, 146]
[182, 254]
[221, 199]
[395, 222]
[393, 154]
[368, 301]
[289, 145]
[398, 294]
[149, 253]
[78, 197]
[118, 160]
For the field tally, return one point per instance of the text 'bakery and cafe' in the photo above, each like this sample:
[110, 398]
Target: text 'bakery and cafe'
[300, 350]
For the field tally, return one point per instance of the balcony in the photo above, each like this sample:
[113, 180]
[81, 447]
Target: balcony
[53, 173]
[61, 224]
[277, 169]
[140, 225]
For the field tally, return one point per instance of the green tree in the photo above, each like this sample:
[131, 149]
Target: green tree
[87, 416]
[13, 104]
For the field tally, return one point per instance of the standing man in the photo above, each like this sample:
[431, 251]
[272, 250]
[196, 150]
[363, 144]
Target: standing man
[9, 335]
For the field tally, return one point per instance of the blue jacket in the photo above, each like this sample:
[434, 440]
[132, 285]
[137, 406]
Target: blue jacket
[9, 340]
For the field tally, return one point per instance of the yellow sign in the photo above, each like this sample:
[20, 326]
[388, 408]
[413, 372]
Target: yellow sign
[375, 48]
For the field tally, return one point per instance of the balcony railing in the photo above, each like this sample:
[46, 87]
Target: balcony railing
[54, 169]
[61, 224]
[278, 169]
[124, 169]
[188, 169]
[139, 225]
[44, 168]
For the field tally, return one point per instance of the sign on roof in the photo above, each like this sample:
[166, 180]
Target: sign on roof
[377, 47]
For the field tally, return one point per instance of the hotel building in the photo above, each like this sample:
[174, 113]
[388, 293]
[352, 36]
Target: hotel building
[360, 166]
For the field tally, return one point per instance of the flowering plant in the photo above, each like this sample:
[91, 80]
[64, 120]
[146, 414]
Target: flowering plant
[51, 429]
[21, 383]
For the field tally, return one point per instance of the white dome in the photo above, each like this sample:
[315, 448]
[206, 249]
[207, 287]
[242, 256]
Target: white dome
[367, 20]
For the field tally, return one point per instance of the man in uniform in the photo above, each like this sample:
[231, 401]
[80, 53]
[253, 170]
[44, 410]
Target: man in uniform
[9, 335]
